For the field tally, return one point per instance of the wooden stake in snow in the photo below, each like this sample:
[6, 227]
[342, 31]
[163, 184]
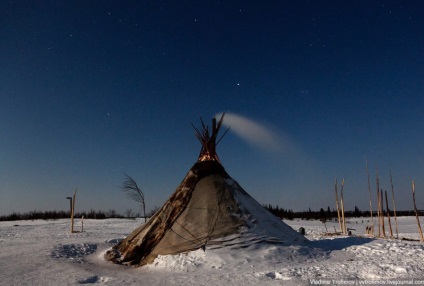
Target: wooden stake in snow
[342, 205]
[369, 191]
[73, 211]
[388, 215]
[82, 224]
[337, 205]
[378, 203]
[416, 212]
[378, 211]
[383, 229]
[70, 209]
[394, 204]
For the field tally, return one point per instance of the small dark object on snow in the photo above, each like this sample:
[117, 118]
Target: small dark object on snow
[302, 231]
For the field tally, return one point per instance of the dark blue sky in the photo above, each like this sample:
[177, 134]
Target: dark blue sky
[90, 90]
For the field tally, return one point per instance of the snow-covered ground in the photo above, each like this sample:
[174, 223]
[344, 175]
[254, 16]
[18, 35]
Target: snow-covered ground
[45, 253]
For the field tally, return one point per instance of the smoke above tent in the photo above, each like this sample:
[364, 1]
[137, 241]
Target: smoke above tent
[257, 134]
[278, 144]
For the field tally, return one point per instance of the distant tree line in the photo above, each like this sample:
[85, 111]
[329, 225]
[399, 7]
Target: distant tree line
[53, 215]
[276, 210]
[327, 214]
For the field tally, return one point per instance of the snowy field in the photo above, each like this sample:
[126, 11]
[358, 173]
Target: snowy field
[45, 253]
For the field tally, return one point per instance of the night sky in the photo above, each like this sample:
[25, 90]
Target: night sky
[90, 90]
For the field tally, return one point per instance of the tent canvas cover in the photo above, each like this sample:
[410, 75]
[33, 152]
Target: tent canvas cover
[208, 210]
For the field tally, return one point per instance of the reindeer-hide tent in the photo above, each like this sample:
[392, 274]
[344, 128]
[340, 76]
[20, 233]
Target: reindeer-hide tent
[208, 210]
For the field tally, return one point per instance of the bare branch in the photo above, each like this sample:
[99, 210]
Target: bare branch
[133, 192]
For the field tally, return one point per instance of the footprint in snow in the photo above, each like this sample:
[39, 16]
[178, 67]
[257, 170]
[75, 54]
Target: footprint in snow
[276, 276]
[93, 280]
[73, 252]
[114, 240]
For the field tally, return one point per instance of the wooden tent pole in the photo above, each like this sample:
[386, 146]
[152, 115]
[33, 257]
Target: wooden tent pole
[383, 228]
[388, 215]
[378, 213]
[394, 204]
[337, 205]
[378, 203]
[73, 211]
[343, 212]
[369, 191]
[416, 212]
[70, 209]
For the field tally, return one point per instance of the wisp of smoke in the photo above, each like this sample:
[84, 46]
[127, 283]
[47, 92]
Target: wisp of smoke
[253, 132]
[275, 143]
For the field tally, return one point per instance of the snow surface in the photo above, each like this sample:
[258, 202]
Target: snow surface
[45, 253]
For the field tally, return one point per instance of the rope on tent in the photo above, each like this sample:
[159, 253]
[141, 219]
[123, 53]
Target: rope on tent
[196, 240]
[212, 227]
[190, 240]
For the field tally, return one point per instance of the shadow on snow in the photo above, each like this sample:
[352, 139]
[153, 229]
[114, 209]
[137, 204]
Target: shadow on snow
[338, 243]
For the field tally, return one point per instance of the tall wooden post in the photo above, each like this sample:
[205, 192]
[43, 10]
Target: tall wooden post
[416, 212]
[337, 205]
[369, 191]
[378, 203]
[378, 213]
[70, 211]
[383, 228]
[388, 215]
[342, 204]
[394, 204]
[73, 211]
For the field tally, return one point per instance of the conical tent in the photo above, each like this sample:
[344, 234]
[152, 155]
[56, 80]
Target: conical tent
[208, 210]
